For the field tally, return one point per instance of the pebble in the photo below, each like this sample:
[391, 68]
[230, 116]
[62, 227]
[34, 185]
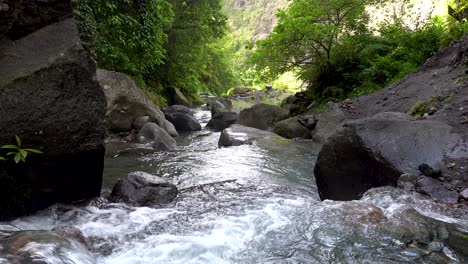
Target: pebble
[464, 194]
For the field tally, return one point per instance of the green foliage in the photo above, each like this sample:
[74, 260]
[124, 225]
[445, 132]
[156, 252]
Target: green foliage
[160, 43]
[458, 9]
[330, 46]
[418, 109]
[124, 35]
[17, 152]
[196, 60]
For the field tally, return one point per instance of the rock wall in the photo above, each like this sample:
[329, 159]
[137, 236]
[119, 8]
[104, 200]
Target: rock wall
[50, 99]
[362, 155]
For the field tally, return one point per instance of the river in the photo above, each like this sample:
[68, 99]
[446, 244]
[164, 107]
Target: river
[254, 203]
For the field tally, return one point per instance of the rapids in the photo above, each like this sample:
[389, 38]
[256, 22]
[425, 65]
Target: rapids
[254, 203]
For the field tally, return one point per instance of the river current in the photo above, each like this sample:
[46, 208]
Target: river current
[254, 203]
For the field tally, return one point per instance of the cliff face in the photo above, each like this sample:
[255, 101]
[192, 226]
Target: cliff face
[253, 19]
[50, 99]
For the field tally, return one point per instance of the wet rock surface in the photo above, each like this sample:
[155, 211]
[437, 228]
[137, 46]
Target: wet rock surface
[440, 86]
[156, 136]
[237, 135]
[223, 120]
[291, 128]
[375, 151]
[143, 189]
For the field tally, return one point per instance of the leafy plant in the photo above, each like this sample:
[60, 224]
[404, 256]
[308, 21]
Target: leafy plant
[17, 152]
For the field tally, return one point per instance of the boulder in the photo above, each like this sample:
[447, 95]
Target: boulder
[126, 101]
[408, 181]
[158, 137]
[218, 107]
[221, 121]
[183, 121]
[375, 151]
[178, 108]
[327, 123]
[18, 18]
[143, 189]
[237, 135]
[42, 246]
[50, 99]
[296, 104]
[291, 128]
[262, 116]
[218, 104]
[140, 121]
[170, 128]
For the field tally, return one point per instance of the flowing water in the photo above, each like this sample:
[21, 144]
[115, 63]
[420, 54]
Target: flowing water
[248, 204]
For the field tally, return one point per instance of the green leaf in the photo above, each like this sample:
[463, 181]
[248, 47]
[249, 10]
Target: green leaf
[2, 158]
[12, 153]
[23, 153]
[9, 147]
[34, 151]
[17, 157]
[18, 141]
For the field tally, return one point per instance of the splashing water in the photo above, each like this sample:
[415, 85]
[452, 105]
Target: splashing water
[248, 204]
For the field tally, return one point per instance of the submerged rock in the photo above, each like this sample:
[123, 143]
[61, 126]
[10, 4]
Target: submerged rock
[158, 137]
[222, 120]
[143, 189]
[375, 151]
[262, 116]
[237, 135]
[45, 247]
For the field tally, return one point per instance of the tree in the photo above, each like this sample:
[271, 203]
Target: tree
[124, 35]
[192, 52]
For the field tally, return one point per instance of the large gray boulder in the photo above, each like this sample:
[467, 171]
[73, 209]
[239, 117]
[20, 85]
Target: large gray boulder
[373, 152]
[18, 18]
[237, 135]
[126, 102]
[143, 189]
[50, 99]
[327, 123]
[262, 116]
[223, 120]
[158, 137]
[291, 128]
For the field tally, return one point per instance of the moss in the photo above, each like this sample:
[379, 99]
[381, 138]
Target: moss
[419, 108]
